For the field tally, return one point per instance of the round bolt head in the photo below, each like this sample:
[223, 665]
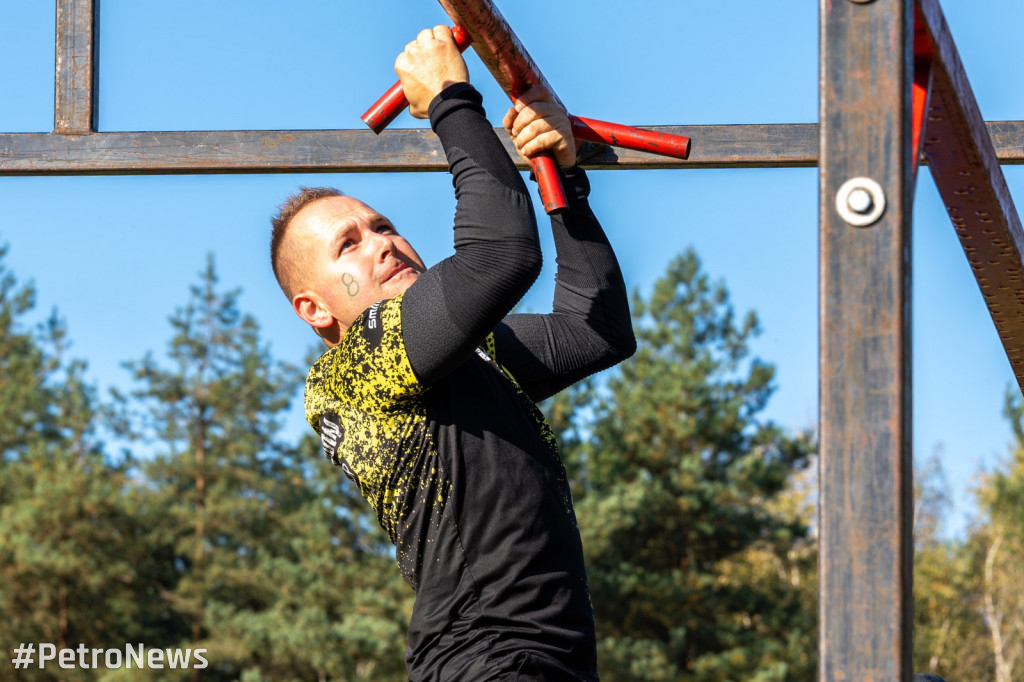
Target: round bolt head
[860, 201]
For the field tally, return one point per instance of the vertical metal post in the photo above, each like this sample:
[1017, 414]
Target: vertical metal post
[75, 97]
[865, 498]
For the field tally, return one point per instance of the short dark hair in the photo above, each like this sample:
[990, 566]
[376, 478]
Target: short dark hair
[279, 227]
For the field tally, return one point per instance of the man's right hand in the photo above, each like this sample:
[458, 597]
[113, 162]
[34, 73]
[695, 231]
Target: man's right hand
[428, 65]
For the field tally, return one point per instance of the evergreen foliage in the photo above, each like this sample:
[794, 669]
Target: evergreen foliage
[66, 532]
[673, 475]
[212, 530]
[1002, 553]
[271, 567]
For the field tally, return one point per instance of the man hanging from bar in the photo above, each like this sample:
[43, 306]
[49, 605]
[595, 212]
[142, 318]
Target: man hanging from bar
[426, 395]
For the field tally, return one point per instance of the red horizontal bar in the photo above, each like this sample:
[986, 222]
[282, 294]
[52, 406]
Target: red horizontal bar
[393, 102]
[628, 137]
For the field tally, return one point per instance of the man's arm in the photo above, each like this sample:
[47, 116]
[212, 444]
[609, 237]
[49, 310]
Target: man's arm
[589, 328]
[449, 310]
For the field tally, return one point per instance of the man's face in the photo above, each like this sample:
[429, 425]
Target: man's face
[348, 257]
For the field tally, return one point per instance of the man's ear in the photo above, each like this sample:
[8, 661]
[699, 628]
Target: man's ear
[307, 306]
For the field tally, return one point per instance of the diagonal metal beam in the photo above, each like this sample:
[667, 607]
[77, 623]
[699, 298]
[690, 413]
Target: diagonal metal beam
[75, 95]
[866, 189]
[792, 145]
[965, 166]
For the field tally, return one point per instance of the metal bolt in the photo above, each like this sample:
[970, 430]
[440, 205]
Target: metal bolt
[860, 201]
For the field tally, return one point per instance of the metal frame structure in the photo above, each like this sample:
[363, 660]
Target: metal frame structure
[865, 489]
[893, 91]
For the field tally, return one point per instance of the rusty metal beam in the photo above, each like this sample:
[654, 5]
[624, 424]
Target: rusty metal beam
[965, 166]
[295, 151]
[358, 151]
[865, 500]
[75, 96]
[1008, 139]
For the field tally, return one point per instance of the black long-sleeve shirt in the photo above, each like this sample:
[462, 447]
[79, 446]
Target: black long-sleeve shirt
[427, 403]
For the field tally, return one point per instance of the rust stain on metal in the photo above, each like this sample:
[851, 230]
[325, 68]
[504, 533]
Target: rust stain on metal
[273, 141]
[966, 170]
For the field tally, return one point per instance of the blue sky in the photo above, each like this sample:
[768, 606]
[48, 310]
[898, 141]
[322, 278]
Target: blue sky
[116, 255]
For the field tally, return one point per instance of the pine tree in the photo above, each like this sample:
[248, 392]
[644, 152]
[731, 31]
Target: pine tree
[66, 536]
[24, 369]
[674, 478]
[339, 587]
[274, 569]
[221, 483]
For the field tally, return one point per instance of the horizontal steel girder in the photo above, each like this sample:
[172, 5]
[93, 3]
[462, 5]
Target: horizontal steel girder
[360, 151]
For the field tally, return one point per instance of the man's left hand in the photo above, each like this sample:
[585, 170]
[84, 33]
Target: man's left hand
[537, 123]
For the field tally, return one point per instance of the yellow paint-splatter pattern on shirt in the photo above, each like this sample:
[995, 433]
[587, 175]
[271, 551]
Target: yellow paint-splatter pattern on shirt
[371, 412]
[364, 400]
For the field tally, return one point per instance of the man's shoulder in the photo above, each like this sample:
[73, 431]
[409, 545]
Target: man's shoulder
[369, 369]
[376, 328]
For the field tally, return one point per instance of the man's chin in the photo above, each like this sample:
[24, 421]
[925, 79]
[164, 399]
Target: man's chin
[401, 281]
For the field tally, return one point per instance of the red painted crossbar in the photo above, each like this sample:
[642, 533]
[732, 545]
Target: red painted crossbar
[628, 137]
[478, 22]
[393, 102]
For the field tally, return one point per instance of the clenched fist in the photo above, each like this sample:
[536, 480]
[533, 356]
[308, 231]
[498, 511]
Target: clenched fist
[428, 65]
[537, 123]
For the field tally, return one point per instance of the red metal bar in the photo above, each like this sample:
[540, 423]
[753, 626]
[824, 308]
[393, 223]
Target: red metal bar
[966, 171]
[393, 102]
[628, 137]
[386, 109]
[922, 88]
[510, 63]
[921, 95]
